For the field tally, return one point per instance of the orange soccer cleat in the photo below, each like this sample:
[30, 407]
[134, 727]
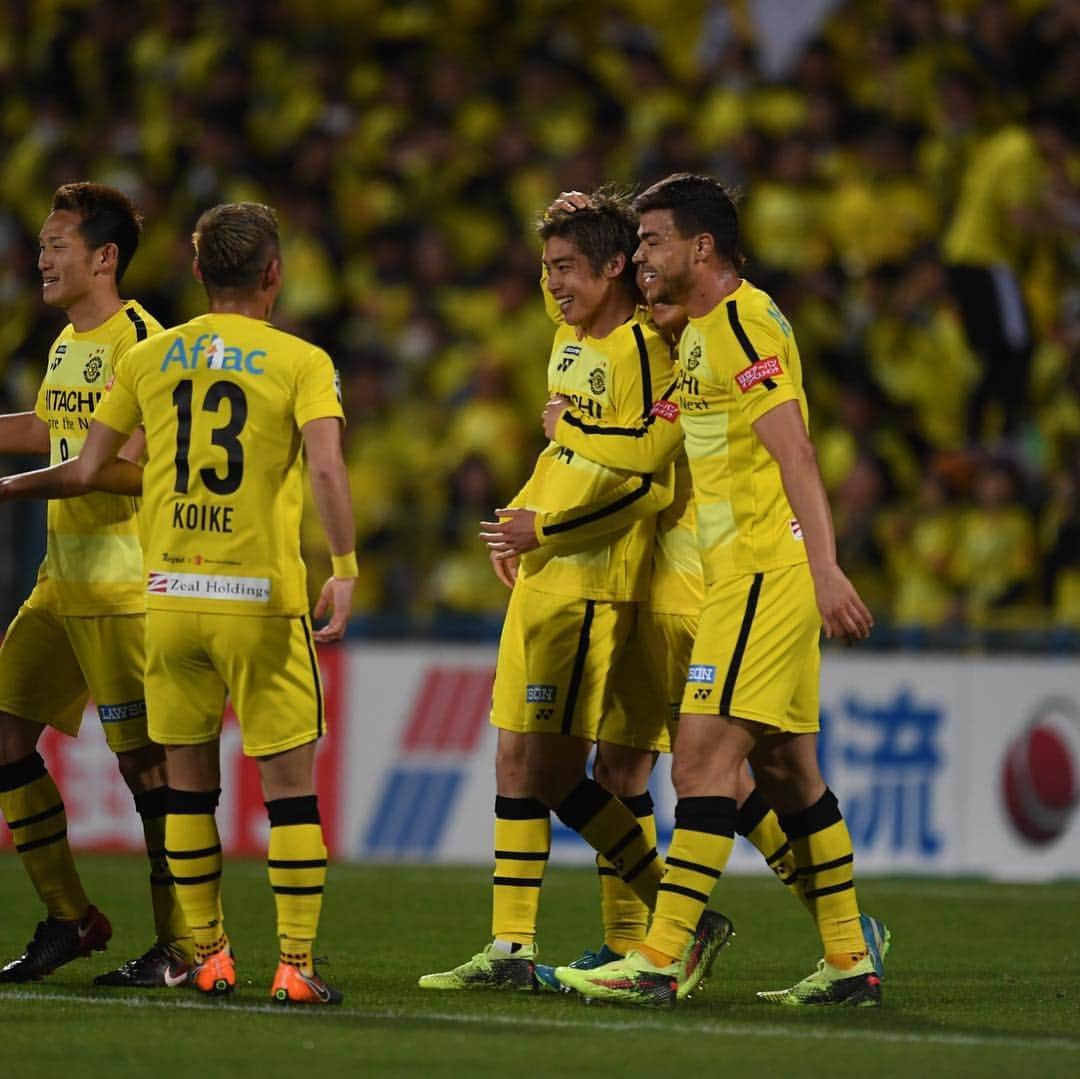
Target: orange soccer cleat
[293, 986]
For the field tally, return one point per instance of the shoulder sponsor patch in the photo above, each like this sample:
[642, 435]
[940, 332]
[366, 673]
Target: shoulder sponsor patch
[701, 672]
[758, 371]
[666, 410]
[540, 694]
[796, 528]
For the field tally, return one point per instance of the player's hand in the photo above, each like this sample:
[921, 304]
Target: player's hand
[336, 596]
[553, 411]
[570, 202]
[505, 567]
[513, 534]
[843, 613]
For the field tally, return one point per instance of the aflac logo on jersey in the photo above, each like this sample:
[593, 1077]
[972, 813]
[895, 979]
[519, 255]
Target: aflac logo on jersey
[218, 356]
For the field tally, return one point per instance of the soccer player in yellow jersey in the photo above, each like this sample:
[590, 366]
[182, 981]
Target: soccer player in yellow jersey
[772, 580]
[230, 405]
[81, 629]
[572, 603]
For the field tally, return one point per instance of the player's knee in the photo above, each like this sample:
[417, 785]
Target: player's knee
[624, 773]
[142, 769]
[18, 738]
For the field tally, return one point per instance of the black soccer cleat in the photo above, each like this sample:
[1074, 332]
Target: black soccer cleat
[162, 967]
[56, 943]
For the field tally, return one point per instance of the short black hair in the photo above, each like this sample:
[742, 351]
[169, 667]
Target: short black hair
[107, 216]
[697, 204]
[234, 243]
[606, 229]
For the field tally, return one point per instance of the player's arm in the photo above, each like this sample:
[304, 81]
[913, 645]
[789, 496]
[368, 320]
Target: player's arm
[581, 527]
[23, 432]
[784, 435]
[330, 488]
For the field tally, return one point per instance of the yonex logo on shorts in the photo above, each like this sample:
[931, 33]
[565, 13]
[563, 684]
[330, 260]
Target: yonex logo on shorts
[701, 672]
[117, 713]
[540, 694]
[209, 586]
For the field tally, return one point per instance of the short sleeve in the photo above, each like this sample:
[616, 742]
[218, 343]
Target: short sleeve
[318, 392]
[119, 407]
[758, 368]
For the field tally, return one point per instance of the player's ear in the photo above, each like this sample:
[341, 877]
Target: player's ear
[196, 269]
[272, 274]
[106, 258]
[704, 246]
[615, 266]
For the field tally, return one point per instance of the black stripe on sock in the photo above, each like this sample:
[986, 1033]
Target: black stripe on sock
[141, 332]
[516, 882]
[790, 880]
[284, 889]
[152, 803]
[524, 855]
[816, 818]
[817, 893]
[678, 889]
[45, 814]
[33, 844]
[300, 863]
[634, 871]
[605, 871]
[315, 677]
[778, 853]
[582, 804]
[157, 852]
[751, 813]
[695, 867]
[161, 882]
[204, 852]
[714, 815]
[193, 803]
[810, 870]
[740, 645]
[204, 878]
[21, 772]
[623, 843]
[301, 810]
[744, 341]
[579, 666]
[641, 805]
[520, 808]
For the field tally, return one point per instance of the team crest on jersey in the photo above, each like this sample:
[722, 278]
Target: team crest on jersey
[92, 370]
[58, 355]
[597, 381]
[694, 359]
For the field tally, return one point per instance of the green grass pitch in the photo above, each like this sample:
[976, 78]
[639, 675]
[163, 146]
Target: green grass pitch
[983, 979]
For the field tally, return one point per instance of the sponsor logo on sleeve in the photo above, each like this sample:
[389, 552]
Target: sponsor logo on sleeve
[796, 528]
[540, 694]
[117, 713]
[701, 672]
[666, 410]
[209, 586]
[758, 371]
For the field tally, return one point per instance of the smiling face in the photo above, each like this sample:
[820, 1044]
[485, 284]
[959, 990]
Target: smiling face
[574, 286]
[663, 258]
[65, 261]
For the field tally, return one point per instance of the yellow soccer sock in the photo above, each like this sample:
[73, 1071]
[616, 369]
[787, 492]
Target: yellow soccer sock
[34, 812]
[822, 846]
[700, 847]
[522, 848]
[296, 865]
[169, 925]
[613, 831]
[761, 826]
[625, 916]
[193, 850]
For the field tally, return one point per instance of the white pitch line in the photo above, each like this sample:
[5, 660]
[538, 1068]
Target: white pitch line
[639, 1022]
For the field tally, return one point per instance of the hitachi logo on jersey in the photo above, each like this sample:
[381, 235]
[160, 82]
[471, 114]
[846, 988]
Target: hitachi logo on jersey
[701, 672]
[593, 409]
[209, 586]
[71, 400]
[211, 352]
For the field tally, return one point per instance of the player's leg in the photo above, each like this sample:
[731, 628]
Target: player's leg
[111, 653]
[185, 698]
[41, 684]
[276, 689]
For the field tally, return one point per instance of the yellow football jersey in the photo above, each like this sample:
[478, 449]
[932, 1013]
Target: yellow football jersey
[223, 399]
[93, 562]
[735, 364]
[611, 379]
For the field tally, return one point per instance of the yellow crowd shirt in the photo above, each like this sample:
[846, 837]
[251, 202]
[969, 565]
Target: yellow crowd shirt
[93, 562]
[611, 379]
[735, 364]
[223, 399]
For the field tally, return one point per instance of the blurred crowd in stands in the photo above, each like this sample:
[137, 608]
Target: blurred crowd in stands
[910, 197]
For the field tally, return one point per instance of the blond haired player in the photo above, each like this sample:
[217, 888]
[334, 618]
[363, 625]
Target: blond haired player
[229, 405]
[81, 629]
